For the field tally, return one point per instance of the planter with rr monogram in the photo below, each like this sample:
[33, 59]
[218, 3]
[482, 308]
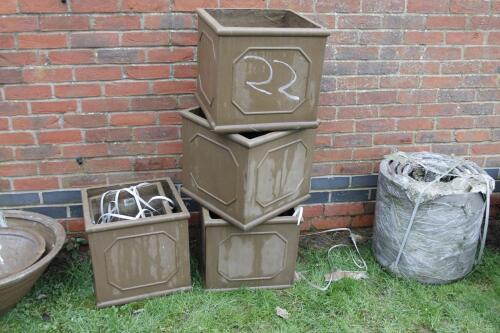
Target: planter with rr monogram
[259, 69]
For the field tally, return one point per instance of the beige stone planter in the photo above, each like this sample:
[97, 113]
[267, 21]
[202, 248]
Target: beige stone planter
[246, 179]
[263, 257]
[137, 259]
[259, 69]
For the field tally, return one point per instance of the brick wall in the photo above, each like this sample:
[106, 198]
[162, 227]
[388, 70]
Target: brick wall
[89, 94]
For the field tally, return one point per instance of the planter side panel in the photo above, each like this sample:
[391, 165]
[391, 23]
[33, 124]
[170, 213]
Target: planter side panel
[261, 258]
[141, 261]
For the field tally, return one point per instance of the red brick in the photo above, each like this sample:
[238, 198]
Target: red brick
[352, 140]
[170, 118]
[108, 165]
[94, 6]
[42, 41]
[171, 147]
[62, 136]
[19, 58]
[359, 22]
[412, 124]
[243, 3]
[455, 122]
[486, 148]
[171, 54]
[18, 169]
[439, 110]
[27, 92]
[459, 67]
[323, 140]
[338, 126]
[174, 87]
[105, 105]
[112, 22]
[35, 183]
[154, 163]
[41, 74]
[148, 72]
[393, 139]
[53, 107]
[50, 23]
[153, 103]
[445, 22]
[156, 133]
[18, 23]
[8, 6]
[297, 5]
[185, 6]
[464, 38]
[344, 209]
[133, 119]
[87, 150]
[329, 155]
[357, 82]
[75, 225]
[131, 148]
[10, 76]
[16, 138]
[362, 221]
[4, 124]
[372, 153]
[94, 39]
[80, 181]
[489, 121]
[13, 108]
[84, 120]
[398, 111]
[472, 136]
[375, 125]
[431, 137]
[441, 81]
[469, 7]
[494, 37]
[417, 96]
[7, 41]
[423, 37]
[485, 22]
[185, 71]
[77, 90]
[42, 6]
[39, 152]
[169, 21]
[482, 52]
[419, 68]
[399, 82]
[126, 88]
[337, 98]
[427, 6]
[376, 97]
[37, 122]
[108, 134]
[184, 38]
[103, 73]
[384, 6]
[187, 101]
[145, 6]
[145, 38]
[70, 57]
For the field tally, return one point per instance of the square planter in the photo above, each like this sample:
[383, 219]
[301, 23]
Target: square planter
[136, 259]
[261, 258]
[259, 69]
[245, 178]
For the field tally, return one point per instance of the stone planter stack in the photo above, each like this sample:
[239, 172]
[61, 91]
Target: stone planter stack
[248, 148]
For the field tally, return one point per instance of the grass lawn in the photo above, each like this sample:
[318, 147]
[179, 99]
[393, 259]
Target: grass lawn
[63, 301]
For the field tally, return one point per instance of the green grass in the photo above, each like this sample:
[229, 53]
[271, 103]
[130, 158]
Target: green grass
[381, 303]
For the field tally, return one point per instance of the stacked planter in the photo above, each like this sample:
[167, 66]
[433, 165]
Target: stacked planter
[248, 149]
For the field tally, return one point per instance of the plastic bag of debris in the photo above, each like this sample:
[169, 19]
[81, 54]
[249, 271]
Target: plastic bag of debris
[431, 216]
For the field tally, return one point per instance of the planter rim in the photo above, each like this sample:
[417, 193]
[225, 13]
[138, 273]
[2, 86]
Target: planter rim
[60, 237]
[91, 227]
[236, 137]
[216, 222]
[222, 30]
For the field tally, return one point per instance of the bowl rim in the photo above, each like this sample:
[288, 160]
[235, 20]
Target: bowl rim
[50, 223]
